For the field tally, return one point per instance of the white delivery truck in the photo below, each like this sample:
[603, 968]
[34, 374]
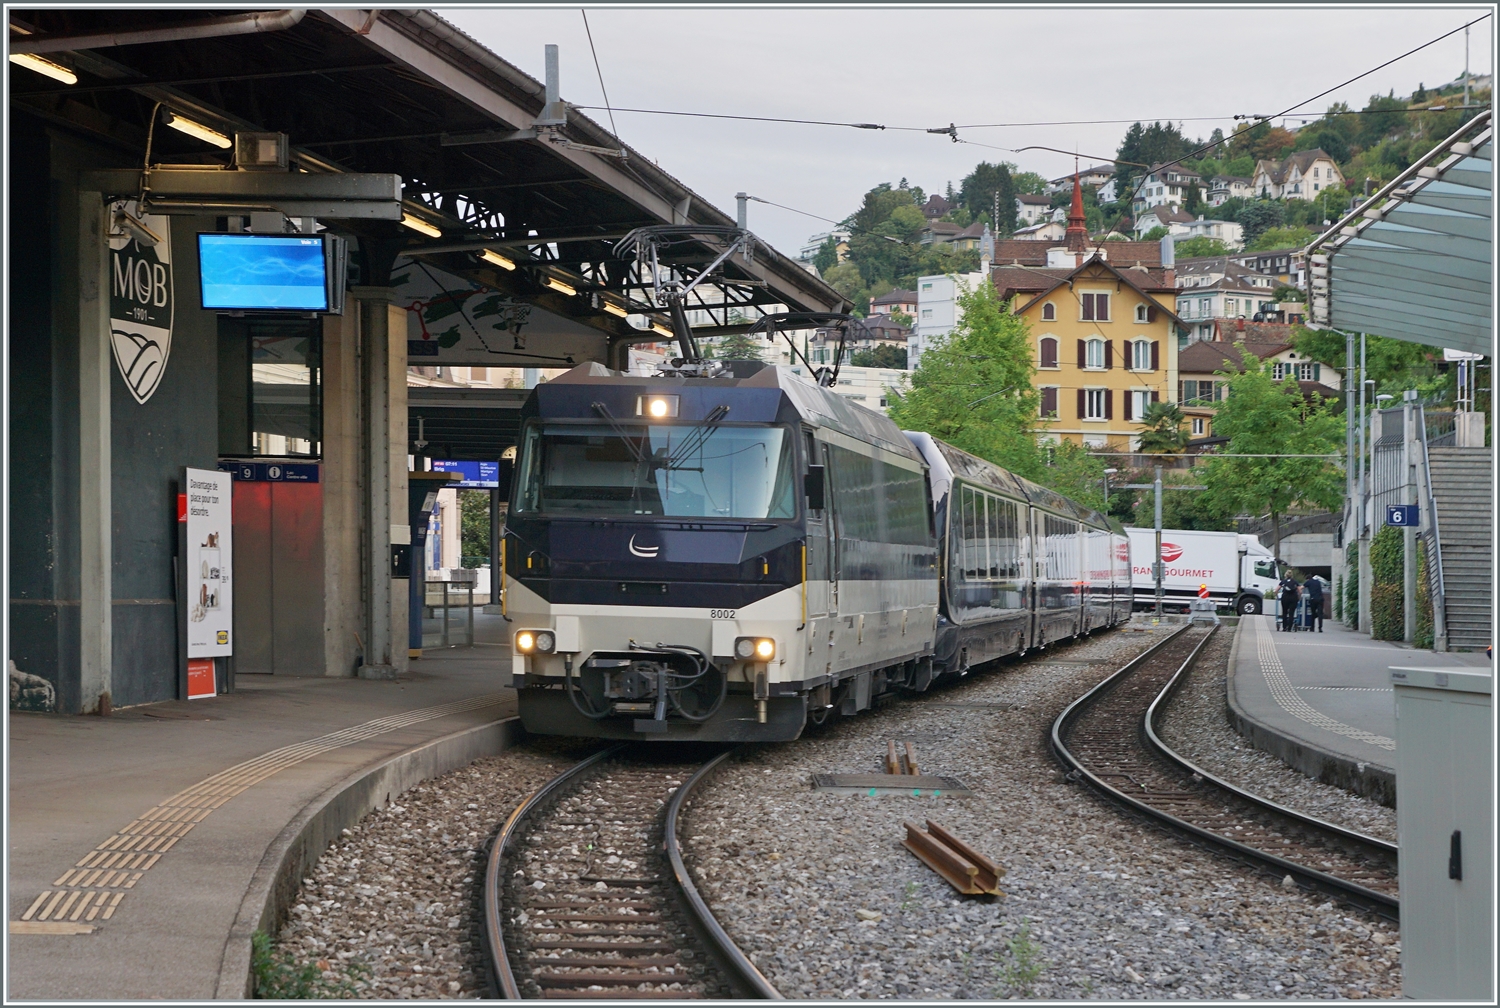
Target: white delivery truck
[1241, 574]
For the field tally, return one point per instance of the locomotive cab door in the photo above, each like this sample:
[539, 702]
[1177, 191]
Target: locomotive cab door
[831, 524]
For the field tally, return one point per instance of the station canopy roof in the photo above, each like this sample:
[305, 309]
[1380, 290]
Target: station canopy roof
[405, 92]
[1414, 262]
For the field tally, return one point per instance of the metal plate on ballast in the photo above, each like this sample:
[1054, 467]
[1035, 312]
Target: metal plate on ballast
[917, 786]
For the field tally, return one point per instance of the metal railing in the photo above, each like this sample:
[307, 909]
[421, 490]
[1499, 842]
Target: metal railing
[1428, 532]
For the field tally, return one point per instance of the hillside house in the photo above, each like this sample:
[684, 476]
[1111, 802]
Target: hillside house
[903, 301]
[1162, 187]
[1222, 188]
[1032, 208]
[1230, 233]
[1174, 220]
[1094, 175]
[1301, 176]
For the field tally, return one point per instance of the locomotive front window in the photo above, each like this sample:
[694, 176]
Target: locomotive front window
[671, 470]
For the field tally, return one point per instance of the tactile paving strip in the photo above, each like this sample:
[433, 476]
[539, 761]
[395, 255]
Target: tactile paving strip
[92, 889]
[1285, 694]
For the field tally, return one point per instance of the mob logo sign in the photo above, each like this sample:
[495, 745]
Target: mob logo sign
[140, 303]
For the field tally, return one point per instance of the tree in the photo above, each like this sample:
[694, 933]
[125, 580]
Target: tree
[1149, 145]
[1162, 432]
[1280, 238]
[886, 355]
[1028, 182]
[1277, 428]
[737, 346]
[845, 279]
[1156, 234]
[474, 524]
[979, 190]
[973, 387]
[1256, 216]
[1200, 245]
[828, 255]
[1180, 509]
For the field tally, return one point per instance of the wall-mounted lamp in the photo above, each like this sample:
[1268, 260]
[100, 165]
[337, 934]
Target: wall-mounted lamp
[420, 226]
[496, 259]
[45, 67]
[559, 286]
[197, 130]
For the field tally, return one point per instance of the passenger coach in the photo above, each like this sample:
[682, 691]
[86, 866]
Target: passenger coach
[728, 558]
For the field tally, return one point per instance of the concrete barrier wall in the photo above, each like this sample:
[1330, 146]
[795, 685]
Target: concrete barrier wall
[1320, 764]
[273, 888]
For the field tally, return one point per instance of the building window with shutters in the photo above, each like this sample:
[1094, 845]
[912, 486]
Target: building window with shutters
[1095, 307]
[1049, 312]
[1093, 354]
[1095, 403]
[1140, 355]
[1049, 402]
[1142, 313]
[1136, 402]
[1047, 353]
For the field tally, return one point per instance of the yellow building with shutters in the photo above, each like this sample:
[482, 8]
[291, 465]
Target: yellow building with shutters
[1104, 342]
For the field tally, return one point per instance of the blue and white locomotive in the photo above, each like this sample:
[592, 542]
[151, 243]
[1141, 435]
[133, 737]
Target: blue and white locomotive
[730, 552]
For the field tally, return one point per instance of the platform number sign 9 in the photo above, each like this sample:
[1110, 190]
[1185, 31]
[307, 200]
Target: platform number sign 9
[140, 296]
[1402, 515]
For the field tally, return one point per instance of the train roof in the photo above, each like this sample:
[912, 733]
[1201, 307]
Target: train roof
[757, 392]
[948, 463]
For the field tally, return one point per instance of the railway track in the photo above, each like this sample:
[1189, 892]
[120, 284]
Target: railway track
[587, 897]
[1107, 738]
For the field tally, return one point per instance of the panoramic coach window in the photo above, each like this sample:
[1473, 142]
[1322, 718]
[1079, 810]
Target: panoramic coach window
[270, 387]
[987, 529]
[676, 470]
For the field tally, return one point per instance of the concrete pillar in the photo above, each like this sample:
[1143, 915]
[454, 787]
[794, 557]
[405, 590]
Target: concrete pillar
[95, 508]
[343, 496]
[383, 379]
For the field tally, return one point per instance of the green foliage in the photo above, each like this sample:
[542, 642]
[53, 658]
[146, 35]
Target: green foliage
[973, 387]
[1154, 144]
[1257, 217]
[886, 355]
[1394, 365]
[1200, 245]
[1264, 417]
[1351, 587]
[845, 279]
[1386, 553]
[474, 522]
[1338, 599]
[736, 347]
[1424, 632]
[828, 255]
[1155, 234]
[1022, 963]
[1180, 509]
[1161, 430]
[980, 188]
[1285, 293]
[1028, 182]
[1386, 621]
[1280, 238]
[276, 976]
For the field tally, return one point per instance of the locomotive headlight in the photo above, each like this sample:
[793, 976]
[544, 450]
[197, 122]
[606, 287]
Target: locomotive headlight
[755, 648]
[545, 642]
[525, 642]
[656, 407]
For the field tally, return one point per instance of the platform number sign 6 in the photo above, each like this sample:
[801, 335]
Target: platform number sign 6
[1402, 515]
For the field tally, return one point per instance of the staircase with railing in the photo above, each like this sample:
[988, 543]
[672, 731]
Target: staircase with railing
[1463, 560]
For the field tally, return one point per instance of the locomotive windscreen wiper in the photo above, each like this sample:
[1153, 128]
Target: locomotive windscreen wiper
[660, 459]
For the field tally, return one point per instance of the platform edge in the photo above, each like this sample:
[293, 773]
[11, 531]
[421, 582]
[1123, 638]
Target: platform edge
[302, 841]
[1322, 765]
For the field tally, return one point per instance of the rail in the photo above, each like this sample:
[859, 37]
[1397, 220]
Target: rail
[741, 972]
[1214, 800]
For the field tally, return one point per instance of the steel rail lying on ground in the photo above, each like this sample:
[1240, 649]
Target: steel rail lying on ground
[706, 929]
[1381, 903]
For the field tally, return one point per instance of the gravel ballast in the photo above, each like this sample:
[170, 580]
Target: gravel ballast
[816, 888]
[393, 908]
[1196, 726]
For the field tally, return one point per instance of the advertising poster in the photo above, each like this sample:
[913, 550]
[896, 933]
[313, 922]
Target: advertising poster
[140, 299]
[210, 593]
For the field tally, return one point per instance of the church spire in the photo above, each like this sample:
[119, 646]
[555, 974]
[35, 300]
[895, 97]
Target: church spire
[1078, 232]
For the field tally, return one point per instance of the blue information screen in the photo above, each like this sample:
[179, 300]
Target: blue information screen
[246, 271]
[479, 475]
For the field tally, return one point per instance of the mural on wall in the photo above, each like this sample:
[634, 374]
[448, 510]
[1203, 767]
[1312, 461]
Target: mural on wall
[456, 321]
[141, 296]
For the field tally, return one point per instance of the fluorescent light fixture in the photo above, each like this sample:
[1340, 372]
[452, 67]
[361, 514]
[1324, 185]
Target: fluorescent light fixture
[420, 226]
[657, 327]
[560, 287]
[198, 130]
[497, 259]
[45, 67]
[615, 309]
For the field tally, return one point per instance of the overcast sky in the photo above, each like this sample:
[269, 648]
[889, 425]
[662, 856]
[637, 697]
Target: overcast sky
[929, 66]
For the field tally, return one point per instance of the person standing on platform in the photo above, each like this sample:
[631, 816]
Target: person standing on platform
[1312, 591]
[1287, 594]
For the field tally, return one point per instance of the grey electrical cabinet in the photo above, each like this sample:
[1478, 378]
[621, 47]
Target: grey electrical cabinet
[1445, 815]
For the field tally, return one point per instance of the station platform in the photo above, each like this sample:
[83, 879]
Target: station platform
[1323, 701]
[151, 823]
